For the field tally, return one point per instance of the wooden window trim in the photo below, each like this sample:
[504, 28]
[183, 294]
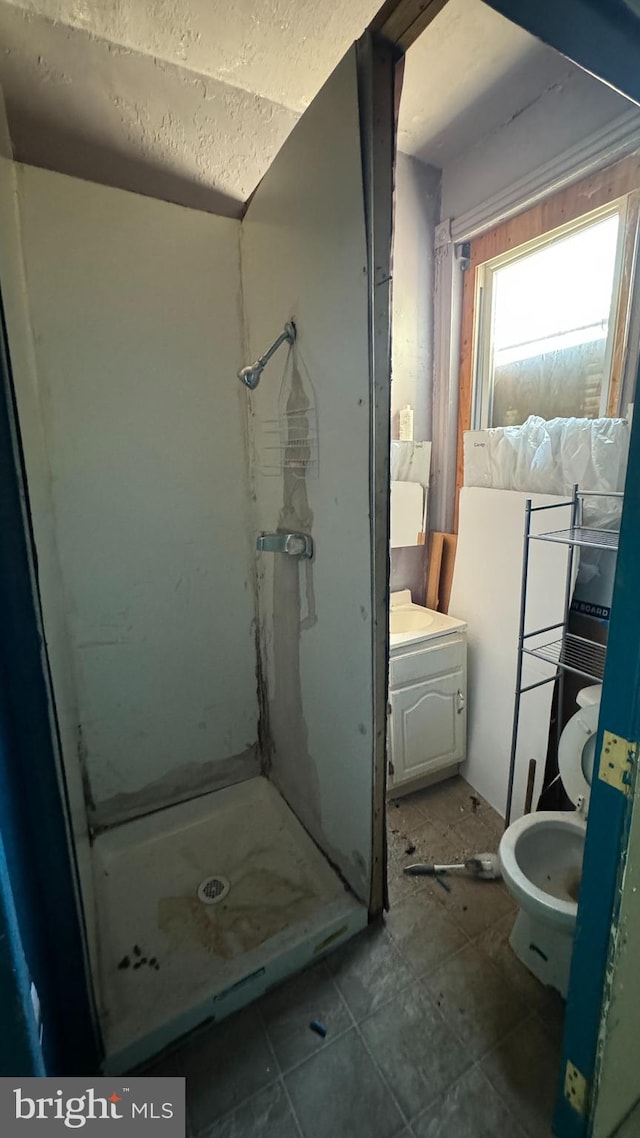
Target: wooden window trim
[568, 204]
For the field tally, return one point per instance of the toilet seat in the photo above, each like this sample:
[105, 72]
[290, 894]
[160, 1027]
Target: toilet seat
[576, 753]
[592, 694]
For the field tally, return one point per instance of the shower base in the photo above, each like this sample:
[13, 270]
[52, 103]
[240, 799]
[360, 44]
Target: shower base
[170, 958]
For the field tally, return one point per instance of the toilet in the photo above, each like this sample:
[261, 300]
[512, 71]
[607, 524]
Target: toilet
[541, 856]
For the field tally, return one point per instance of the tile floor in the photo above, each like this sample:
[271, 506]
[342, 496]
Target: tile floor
[435, 1030]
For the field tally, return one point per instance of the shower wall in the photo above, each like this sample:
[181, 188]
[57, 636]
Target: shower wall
[304, 256]
[136, 424]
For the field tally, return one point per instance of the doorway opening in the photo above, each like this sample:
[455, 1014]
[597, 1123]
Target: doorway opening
[515, 349]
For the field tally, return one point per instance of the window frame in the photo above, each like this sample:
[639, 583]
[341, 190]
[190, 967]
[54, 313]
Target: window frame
[563, 202]
[482, 381]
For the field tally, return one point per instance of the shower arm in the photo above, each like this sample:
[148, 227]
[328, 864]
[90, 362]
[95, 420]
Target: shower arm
[288, 335]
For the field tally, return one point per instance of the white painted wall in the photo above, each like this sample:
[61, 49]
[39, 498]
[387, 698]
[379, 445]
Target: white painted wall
[417, 202]
[304, 256]
[134, 443]
[562, 115]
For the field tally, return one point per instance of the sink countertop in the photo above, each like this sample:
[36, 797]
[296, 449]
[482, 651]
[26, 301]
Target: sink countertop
[441, 624]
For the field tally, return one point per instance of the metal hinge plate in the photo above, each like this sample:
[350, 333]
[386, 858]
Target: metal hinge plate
[576, 1089]
[617, 759]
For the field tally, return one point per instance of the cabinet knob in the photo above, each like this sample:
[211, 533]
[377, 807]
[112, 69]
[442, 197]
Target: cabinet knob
[461, 702]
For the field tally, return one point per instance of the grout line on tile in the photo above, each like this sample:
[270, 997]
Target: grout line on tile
[518, 1132]
[414, 979]
[281, 1075]
[497, 1042]
[286, 1071]
[207, 1130]
[464, 1074]
[384, 1079]
[362, 1039]
[334, 1035]
[292, 1108]
[522, 1129]
[344, 1003]
[265, 1030]
[502, 1038]
[527, 1001]
[476, 1059]
[496, 970]
[418, 977]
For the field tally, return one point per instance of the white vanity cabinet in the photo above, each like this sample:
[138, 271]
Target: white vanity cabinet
[427, 726]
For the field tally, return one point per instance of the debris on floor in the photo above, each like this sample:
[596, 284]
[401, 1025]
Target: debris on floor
[484, 866]
[472, 1048]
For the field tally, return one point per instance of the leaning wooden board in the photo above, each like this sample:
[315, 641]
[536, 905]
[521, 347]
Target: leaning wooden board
[436, 543]
[449, 547]
[442, 555]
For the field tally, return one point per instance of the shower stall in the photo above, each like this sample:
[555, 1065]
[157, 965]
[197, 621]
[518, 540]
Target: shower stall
[211, 567]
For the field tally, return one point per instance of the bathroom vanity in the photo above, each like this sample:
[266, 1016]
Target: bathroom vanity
[427, 715]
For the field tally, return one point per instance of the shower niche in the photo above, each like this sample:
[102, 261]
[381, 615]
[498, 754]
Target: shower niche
[214, 694]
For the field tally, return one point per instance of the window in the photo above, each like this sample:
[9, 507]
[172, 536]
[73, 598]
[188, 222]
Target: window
[546, 323]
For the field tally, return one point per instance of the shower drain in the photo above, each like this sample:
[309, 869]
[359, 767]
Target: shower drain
[213, 889]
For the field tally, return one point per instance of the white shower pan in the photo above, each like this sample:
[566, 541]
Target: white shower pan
[169, 958]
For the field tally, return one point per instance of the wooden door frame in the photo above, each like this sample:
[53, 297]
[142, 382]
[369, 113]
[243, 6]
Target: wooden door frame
[380, 54]
[377, 79]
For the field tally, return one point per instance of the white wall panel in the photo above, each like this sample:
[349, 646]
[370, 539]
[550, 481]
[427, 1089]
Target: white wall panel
[136, 322]
[304, 256]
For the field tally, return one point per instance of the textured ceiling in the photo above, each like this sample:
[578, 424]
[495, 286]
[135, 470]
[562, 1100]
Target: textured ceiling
[81, 105]
[468, 74]
[190, 100]
[184, 99]
[281, 50]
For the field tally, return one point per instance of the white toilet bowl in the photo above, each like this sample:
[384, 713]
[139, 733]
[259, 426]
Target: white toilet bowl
[541, 856]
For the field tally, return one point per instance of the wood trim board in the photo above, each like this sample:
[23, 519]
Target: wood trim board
[449, 548]
[436, 546]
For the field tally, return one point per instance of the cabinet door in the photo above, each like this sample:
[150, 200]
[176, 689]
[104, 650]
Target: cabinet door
[428, 726]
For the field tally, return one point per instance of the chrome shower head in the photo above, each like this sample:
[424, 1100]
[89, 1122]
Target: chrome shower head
[250, 375]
